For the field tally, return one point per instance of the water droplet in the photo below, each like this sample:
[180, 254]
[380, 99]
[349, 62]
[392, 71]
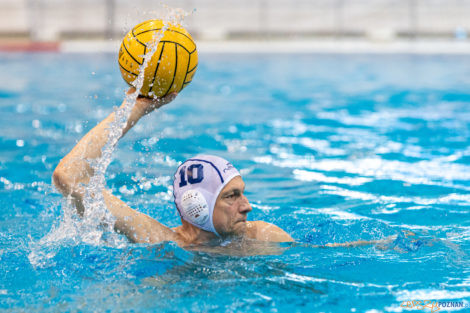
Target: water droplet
[61, 107]
[19, 143]
[78, 128]
[36, 123]
[21, 108]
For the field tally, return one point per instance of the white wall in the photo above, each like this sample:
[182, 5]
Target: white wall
[56, 19]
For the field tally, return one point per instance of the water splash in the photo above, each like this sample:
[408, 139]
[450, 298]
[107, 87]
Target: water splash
[96, 212]
[97, 225]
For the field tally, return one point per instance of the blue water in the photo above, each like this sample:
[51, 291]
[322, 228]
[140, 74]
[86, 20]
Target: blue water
[333, 148]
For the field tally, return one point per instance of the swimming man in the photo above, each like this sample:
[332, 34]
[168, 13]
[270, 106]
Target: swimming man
[208, 191]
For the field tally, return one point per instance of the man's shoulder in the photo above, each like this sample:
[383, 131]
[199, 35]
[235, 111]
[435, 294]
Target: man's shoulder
[264, 231]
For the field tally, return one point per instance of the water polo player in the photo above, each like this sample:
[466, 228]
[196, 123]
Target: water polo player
[208, 191]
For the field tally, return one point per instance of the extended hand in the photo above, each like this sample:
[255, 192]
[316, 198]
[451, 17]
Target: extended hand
[363, 242]
[147, 105]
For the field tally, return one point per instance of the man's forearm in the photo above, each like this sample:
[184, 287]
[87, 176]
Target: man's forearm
[361, 242]
[74, 167]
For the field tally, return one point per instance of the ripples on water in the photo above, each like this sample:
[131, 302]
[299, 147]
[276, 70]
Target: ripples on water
[332, 148]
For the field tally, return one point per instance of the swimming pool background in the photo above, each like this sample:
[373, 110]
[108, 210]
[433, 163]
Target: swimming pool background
[333, 148]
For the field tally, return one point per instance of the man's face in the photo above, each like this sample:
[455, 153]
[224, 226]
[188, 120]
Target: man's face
[231, 209]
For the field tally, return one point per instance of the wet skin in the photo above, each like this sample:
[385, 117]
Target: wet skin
[231, 209]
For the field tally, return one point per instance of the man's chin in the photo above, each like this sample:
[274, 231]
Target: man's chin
[240, 228]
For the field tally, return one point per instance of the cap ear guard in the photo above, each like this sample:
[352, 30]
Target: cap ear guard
[195, 207]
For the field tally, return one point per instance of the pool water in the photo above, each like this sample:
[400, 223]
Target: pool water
[333, 148]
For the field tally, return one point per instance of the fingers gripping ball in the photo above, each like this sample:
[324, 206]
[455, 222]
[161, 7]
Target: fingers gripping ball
[171, 67]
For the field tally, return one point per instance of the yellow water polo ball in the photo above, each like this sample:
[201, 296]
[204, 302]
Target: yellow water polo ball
[171, 67]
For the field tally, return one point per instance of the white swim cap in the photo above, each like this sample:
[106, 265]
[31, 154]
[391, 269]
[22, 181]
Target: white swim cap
[197, 184]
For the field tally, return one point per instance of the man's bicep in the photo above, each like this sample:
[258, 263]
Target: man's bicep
[136, 226]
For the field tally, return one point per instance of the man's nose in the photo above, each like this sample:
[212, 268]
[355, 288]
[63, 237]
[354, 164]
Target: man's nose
[244, 206]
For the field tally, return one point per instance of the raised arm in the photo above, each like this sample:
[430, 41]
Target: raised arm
[74, 171]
